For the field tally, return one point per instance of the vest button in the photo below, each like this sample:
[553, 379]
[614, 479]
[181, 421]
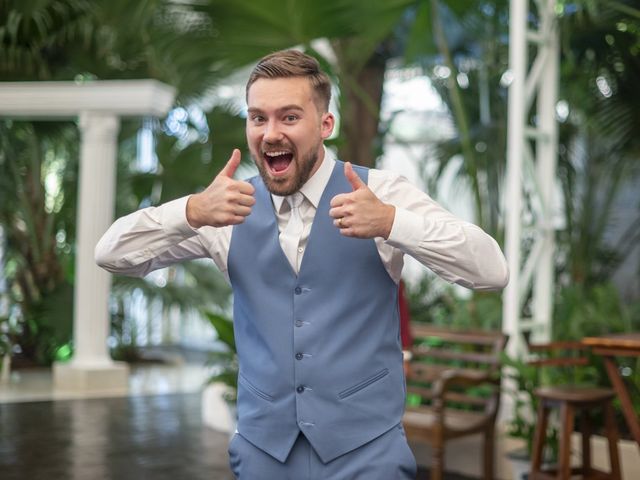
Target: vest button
[298, 323]
[299, 356]
[298, 290]
[300, 389]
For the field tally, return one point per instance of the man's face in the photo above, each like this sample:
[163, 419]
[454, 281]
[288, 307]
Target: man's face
[285, 131]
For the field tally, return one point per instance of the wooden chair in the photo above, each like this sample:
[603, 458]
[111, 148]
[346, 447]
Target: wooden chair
[571, 400]
[446, 369]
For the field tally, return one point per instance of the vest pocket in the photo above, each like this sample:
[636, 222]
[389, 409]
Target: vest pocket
[256, 391]
[365, 383]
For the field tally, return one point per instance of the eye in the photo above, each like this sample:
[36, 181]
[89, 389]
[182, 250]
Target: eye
[291, 117]
[257, 118]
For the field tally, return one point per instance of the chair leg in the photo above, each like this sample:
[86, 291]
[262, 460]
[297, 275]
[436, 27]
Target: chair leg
[567, 417]
[489, 455]
[437, 465]
[539, 437]
[585, 428]
[611, 432]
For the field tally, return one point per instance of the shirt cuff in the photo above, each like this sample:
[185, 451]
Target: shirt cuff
[174, 218]
[407, 230]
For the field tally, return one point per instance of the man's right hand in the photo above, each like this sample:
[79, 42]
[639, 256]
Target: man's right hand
[224, 202]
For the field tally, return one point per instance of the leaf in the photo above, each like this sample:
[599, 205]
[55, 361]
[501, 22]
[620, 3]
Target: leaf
[224, 328]
[420, 40]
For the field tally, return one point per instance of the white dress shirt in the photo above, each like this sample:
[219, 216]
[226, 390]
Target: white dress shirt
[457, 251]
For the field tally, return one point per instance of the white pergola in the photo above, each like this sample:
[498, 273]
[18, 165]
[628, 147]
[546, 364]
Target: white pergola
[99, 106]
[532, 151]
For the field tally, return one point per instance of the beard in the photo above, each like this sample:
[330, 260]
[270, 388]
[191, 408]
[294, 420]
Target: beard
[288, 186]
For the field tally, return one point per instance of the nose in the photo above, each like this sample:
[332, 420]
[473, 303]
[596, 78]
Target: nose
[272, 133]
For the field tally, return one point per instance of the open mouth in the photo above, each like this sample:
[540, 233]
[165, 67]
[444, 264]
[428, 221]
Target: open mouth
[278, 161]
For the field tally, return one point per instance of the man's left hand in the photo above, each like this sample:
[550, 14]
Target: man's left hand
[360, 213]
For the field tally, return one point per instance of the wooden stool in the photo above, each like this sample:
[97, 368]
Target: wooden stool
[572, 400]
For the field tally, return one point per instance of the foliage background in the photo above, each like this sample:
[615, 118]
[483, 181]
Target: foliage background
[197, 46]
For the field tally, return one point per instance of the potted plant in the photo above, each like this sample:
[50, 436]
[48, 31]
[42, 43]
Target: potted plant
[522, 379]
[8, 334]
[220, 393]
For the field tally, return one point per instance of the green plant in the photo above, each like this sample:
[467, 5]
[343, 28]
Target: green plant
[8, 333]
[524, 379]
[38, 167]
[76, 40]
[435, 302]
[583, 311]
[225, 361]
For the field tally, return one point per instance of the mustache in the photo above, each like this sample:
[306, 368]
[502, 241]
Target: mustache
[271, 147]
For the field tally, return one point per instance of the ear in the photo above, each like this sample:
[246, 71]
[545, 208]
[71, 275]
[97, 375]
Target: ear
[327, 122]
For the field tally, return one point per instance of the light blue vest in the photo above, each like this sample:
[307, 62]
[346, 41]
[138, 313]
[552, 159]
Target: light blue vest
[319, 352]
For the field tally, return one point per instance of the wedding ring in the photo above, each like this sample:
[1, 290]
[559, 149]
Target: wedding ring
[340, 222]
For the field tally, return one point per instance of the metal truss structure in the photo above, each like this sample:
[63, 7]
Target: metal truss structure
[532, 149]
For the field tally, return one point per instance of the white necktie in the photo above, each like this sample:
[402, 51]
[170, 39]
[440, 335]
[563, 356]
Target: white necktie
[290, 236]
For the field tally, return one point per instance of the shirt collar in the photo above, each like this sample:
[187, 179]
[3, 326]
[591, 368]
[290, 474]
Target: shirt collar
[314, 187]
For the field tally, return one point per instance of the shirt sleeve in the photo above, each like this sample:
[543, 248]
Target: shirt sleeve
[454, 249]
[156, 237]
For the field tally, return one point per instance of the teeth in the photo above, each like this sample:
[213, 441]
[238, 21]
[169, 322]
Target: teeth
[275, 154]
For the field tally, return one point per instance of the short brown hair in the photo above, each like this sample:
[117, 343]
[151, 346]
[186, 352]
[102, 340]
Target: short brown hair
[293, 63]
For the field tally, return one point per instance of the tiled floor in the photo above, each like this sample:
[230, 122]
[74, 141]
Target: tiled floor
[35, 384]
[156, 433]
[145, 437]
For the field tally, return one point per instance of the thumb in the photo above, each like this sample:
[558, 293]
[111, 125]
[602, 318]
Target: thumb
[232, 165]
[355, 181]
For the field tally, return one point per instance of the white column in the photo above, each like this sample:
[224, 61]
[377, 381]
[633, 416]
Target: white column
[91, 367]
[511, 308]
[546, 161]
[515, 153]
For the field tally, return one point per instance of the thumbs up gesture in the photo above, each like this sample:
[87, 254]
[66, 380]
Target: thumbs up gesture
[224, 202]
[360, 213]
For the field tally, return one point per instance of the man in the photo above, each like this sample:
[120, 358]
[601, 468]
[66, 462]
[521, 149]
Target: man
[313, 249]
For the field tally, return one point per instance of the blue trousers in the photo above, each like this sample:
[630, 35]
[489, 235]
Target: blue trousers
[387, 457]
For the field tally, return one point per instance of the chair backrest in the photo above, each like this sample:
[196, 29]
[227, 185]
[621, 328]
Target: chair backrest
[471, 352]
[557, 362]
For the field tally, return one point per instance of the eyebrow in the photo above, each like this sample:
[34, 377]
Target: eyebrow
[293, 106]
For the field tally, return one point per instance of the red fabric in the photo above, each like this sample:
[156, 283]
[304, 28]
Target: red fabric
[405, 318]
